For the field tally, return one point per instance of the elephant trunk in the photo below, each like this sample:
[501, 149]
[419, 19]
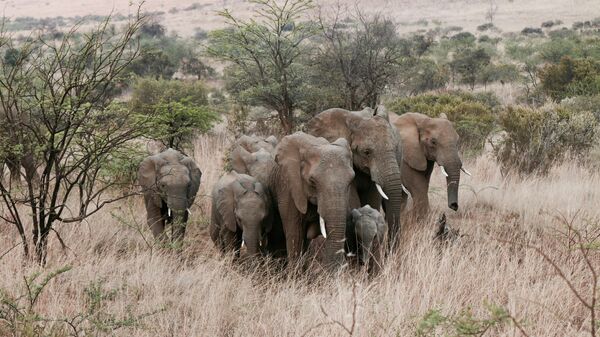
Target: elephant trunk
[334, 212]
[251, 239]
[392, 186]
[452, 182]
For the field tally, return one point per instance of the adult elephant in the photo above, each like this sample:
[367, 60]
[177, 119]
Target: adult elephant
[426, 141]
[311, 182]
[170, 181]
[375, 150]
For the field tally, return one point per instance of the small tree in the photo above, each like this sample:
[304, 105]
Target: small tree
[265, 56]
[56, 97]
[362, 57]
[175, 110]
[470, 63]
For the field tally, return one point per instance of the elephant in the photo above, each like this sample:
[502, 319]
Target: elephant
[376, 152]
[426, 141]
[170, 181]
[241, 214]
[366, 231]
[249, 144]
[258, 164]
[311, 182]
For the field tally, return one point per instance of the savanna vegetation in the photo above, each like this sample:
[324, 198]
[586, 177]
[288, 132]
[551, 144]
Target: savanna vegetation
[81, 99]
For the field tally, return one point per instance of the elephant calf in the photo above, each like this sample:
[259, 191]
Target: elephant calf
[241, 214]
[170, 181]
[365, 233]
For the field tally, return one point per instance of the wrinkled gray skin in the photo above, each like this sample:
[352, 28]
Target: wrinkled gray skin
[312, 178]
[376, 151]
[366, 231]
[260, 165]
[169, 180]
[425, 142]
[241, 212]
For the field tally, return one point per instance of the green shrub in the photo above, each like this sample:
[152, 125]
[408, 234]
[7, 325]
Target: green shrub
[570, 77]
[583, 103]
[176, 109]
[537, 139]
[471, 114]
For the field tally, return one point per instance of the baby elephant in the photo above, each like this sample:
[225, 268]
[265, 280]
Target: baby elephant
[365, 233]
[241, 214]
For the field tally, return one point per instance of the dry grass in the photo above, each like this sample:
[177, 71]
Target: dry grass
[203, 294]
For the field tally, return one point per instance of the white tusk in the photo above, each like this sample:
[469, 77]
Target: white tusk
[322, 225]
[350, 255]
[380, 190]
[189, 212]
[405, 190]
[465, 171]
[444, 171]
[243, 243]
[260, 243]
[169, 212]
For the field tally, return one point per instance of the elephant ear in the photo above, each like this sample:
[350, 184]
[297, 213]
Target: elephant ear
[240, 158]
[272, 140]
[443, 116]
[412, 152]
[289, 160]
[381, 112]
[147, 173]
[195, 176]
[332, 124]
[226, 206]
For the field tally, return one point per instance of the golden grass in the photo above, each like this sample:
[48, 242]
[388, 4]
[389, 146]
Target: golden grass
[203, 294]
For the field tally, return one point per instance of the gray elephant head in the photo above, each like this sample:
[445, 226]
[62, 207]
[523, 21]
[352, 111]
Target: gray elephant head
[311, 172]
[243, 204]
[258, 164]
[375, 147]
[427, 140]
[170, 182]
[369, 229]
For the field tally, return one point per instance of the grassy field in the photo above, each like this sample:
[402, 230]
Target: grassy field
[198, 293]
[185, 16]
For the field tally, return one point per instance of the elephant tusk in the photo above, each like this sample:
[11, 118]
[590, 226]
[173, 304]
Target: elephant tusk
[465, 171]
[243, 243]
[189, 212]
[169, 212]
[444, 171]
[322, 225]
[380, 190]
[405, 190]
[350, 255]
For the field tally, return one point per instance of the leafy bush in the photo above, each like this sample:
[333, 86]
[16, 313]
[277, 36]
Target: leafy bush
[469, 63]
[583, 103]
[571, 77]
[471, 114]
[176, 110]
[532, 31]
[537, 139]
[485, 26]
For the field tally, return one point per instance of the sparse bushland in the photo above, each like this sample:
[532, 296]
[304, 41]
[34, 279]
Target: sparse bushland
[536, 139]
[197, 292]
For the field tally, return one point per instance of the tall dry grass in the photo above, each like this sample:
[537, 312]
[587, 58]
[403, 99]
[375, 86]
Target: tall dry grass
[201, 293]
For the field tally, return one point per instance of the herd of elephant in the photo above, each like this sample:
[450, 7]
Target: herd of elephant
[325, 187]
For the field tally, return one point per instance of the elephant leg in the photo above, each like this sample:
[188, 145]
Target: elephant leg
[155, 220]
[229, 241]
[31, 174]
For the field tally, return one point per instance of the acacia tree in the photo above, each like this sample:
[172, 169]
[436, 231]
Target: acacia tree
[57, 100]
[359, 56]
[265, 56]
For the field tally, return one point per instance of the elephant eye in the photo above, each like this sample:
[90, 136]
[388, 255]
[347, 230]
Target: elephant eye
[312, 181]
[367, 152]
